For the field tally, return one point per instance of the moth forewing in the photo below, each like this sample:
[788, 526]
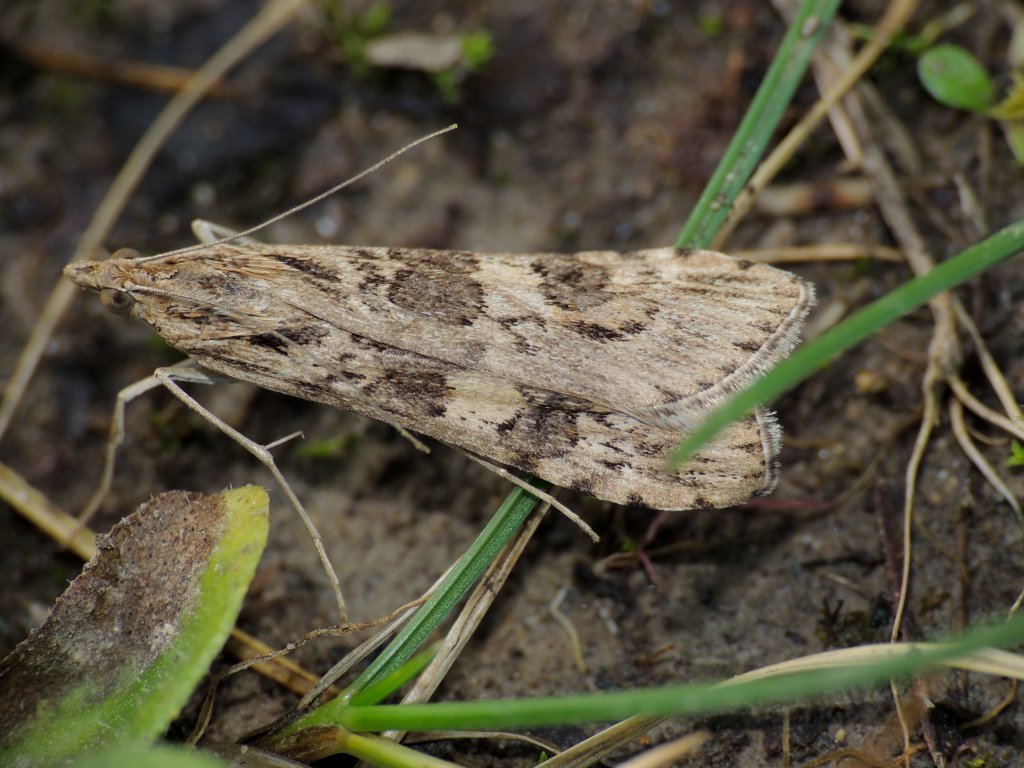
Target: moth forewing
[583, 369]
[668, 329]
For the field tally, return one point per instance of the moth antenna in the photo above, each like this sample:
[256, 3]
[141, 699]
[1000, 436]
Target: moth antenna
[312, 201]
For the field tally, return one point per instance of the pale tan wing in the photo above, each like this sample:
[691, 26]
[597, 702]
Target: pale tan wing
[660, 334]
[260, 318]
[566, 441]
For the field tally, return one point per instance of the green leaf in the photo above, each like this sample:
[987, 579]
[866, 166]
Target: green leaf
[1011, 108]
[127, 643]
[712, 25]
[954, 77]
[374, 20]
[1010, 113]
[1016, 455]
[165, 756]
[477, 49]
[1014, 132]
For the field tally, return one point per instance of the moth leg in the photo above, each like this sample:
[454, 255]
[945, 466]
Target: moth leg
[210, 232]
[505, 474]
[418, 444]
[116, 435]
[167, 377]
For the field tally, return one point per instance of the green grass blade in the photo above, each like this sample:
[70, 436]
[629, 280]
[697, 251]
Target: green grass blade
[811, 357]
[382, 753]
[688, 699]
[498, 532]
[385, 686]
[164, 756]
[747, 146]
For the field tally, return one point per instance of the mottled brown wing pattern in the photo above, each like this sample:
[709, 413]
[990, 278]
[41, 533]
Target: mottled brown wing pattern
[662, 334]
[567, 441]
[582, 369]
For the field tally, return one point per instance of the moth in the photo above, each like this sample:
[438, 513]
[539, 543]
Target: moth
[583, 369]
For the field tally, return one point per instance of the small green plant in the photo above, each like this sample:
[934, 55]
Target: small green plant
[477, 48]
[447, 60]
[954, 77]
[1016, 458]
[712, 25]
[352, 31]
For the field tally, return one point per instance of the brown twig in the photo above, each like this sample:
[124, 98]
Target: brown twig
[152, 77]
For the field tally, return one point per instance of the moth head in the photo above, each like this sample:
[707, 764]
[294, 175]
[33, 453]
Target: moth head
[189, 299]
[107, 278]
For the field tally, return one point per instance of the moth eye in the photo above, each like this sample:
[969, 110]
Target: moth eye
[118, 302]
